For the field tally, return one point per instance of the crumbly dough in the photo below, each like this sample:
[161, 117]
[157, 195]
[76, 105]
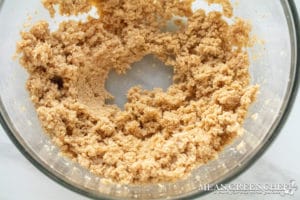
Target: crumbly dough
[159, 136]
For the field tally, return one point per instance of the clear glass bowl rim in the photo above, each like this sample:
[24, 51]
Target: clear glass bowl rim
[294, 27]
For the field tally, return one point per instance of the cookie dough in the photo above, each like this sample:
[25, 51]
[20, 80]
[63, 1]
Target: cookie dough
[159, 136]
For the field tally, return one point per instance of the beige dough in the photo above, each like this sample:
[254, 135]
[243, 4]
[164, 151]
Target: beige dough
[159, 136]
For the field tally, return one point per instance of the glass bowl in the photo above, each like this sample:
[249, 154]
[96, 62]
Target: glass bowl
[274, 66]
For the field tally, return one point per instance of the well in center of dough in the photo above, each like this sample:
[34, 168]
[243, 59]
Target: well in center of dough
[149, 73]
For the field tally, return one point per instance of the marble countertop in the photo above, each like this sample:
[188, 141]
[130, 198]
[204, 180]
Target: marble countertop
[19, 179]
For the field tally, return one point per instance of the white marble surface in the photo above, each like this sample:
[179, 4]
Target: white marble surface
[19, 179]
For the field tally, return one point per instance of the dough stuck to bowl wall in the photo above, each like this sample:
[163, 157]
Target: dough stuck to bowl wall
[160, 136]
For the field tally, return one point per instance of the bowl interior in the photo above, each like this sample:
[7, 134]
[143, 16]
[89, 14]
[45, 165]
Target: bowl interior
[272, 67]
